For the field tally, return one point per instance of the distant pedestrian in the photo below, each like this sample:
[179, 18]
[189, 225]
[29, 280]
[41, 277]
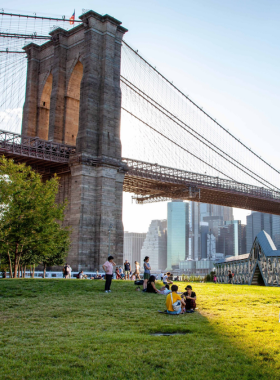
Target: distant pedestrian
[137, 270]
[65, 271]
[126, 270]
[215, 279]
[147, 272]
[161, 276]
[108, 269]
[230, 277]
[69, 272]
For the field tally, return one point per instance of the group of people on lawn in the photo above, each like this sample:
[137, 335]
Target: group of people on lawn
[175, 303]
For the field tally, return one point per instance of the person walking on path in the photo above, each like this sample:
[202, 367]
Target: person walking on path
[126, 270]
[108, 269]
[147, 272]
[137, 270]
[230, 277]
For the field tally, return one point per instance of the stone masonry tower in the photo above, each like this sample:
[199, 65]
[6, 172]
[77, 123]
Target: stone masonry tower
[73, 97]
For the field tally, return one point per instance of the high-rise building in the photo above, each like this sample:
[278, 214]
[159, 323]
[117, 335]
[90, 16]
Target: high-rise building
[177, 232]
[231, 239]
[132, 246]
[194, 231]
[201, 213]
[226, 213]
[257, 222]
[204, 231]
[211, 246]
[155, 245]
[276, 230]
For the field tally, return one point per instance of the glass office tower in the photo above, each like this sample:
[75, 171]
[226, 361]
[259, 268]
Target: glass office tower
[177, 222]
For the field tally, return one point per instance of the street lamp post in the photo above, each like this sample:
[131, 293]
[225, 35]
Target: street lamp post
[109, 230]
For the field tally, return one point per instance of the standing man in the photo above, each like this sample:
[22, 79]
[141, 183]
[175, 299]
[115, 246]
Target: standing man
[230, 277]
[108, 269]
[127, 270]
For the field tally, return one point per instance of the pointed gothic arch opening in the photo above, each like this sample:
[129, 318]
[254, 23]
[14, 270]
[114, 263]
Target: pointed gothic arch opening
[257, 277]
[44, 109]
[73, 105]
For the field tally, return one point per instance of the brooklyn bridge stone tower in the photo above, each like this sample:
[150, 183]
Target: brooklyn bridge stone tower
[73, 97]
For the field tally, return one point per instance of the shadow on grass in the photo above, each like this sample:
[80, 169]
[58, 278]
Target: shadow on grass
[73, 330]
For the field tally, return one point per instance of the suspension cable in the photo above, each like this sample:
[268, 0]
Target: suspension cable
[201, 139]
[205, 113]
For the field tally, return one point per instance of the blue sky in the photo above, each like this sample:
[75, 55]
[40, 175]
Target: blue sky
[223, 54]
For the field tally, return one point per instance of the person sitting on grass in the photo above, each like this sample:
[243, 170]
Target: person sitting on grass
[164, 290]
[166, 280]
[172, 298]
[151, 285]
[118, 276]
[189, 298]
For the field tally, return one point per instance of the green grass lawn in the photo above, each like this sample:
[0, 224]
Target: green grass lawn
[71, 329]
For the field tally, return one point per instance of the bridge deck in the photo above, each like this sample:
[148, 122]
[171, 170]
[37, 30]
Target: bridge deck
[149, 182]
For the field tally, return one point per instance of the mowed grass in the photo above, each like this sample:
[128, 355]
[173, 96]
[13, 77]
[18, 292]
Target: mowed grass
[71, 329]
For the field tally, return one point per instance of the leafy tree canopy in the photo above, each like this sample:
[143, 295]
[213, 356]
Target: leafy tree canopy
[30, 219]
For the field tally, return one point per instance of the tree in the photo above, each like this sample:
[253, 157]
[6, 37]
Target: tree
[30, 219]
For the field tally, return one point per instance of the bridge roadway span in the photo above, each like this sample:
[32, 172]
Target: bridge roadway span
[149, 182]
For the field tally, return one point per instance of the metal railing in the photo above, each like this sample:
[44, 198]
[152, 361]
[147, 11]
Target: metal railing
[166, 175]
[34, 147]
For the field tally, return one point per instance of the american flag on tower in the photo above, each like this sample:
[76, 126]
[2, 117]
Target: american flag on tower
[72, 18]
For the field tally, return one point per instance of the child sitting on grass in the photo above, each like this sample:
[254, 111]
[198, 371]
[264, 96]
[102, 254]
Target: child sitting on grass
[189, 298]
[171, 299]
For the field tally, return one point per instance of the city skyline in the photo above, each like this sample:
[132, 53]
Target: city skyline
[195, 232]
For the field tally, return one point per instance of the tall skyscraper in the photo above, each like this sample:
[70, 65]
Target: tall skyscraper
[177, 232]
[276, 230]
[132, 246]
[214, 216]
[226, 213]
[257, 222]
[194, 231]
[231, 240]
[204, 231]
[211, 246]
[155, 245]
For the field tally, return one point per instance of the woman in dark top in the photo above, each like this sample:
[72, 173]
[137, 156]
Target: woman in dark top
[151, 285]
[190, 298]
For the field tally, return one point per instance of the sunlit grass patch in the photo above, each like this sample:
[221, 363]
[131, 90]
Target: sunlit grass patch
[66, 329]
